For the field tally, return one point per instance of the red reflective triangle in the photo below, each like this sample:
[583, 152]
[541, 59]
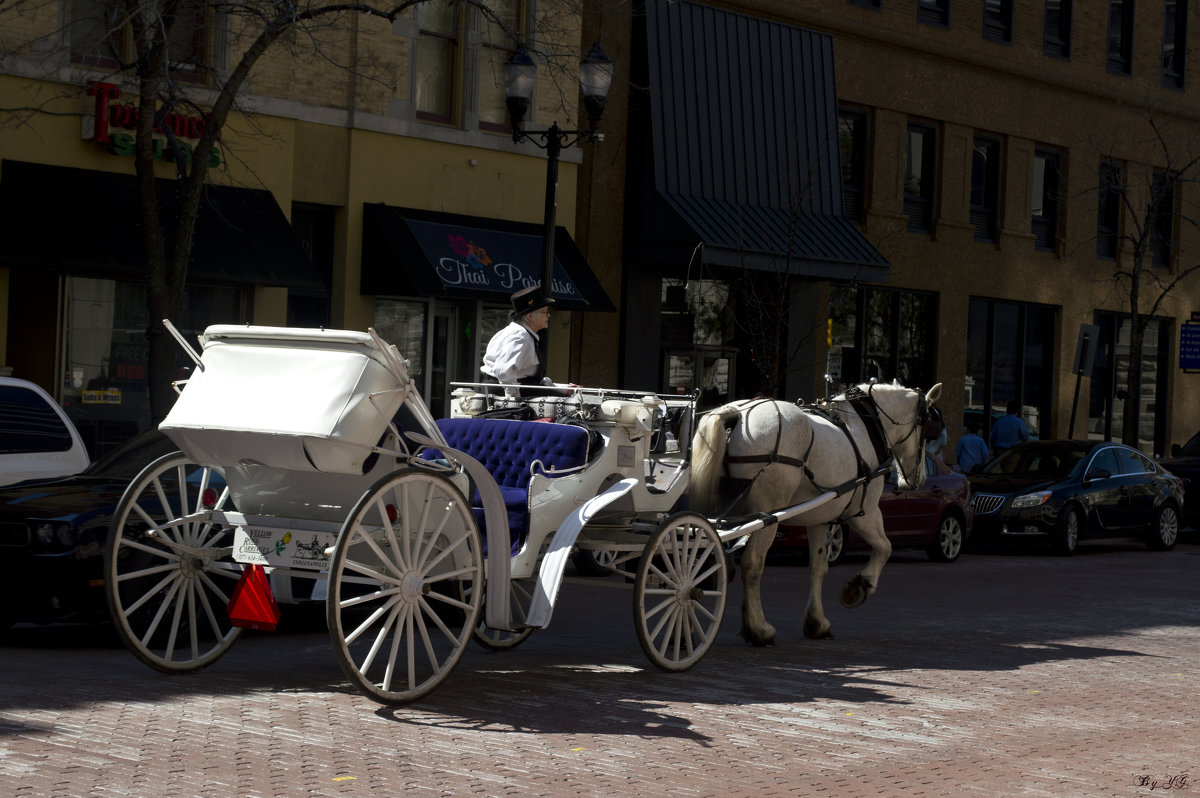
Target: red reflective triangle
[253, 604]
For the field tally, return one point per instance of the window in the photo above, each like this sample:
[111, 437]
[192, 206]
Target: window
[1162, 218]
[697, 334]
[1109, 383]
[1046, 176]
[998, 20]
[1056, 34]
[1010, 357]
[934, 12]
[1174, 43]
[985, 188]
[28, 425]
[1120, 37]
[498, 42]
[884, 334]
[101, 36]
[919, 178]
[852, 137]
[1108, 217]
[437, 61]
[98, 33]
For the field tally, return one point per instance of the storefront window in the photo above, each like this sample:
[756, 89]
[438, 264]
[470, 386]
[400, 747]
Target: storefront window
[1010, 358]
[105, 389]
[1109, 386]
[402, 324]
[881, 334]
[697, 333]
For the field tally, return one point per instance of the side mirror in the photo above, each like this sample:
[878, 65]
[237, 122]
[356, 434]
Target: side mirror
[1099, 473]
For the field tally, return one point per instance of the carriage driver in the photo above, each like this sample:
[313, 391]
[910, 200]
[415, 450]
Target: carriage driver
[512, 354]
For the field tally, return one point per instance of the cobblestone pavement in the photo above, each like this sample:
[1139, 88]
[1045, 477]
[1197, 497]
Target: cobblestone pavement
[999, 675]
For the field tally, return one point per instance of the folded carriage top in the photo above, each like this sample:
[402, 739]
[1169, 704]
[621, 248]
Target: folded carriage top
[291, 398]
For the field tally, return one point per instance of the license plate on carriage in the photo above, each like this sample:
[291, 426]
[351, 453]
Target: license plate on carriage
[282, 548]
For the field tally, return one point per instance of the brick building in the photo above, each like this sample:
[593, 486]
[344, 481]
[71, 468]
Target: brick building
[985, 153]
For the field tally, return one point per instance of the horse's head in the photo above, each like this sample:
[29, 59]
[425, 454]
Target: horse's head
[907, 421]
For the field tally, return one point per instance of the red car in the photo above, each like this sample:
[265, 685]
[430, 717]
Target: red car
[936, 517]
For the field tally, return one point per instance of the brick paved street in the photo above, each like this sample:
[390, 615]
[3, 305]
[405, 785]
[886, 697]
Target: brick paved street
[1000, 675]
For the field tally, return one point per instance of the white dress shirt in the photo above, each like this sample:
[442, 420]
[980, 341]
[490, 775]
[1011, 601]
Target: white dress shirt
[512, 355]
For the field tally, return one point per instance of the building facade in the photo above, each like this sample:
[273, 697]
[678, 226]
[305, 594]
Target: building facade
[1000, 156]
[366, 177]
[923, 190]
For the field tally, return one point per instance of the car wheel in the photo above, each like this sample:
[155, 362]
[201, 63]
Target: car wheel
[835, 543]
[1164, 532]
[594, 563]
[949, 541]
[1066, 536]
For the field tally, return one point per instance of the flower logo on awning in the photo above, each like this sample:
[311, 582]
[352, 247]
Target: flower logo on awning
[476, 256]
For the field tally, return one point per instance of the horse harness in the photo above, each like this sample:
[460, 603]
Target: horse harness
[866, 408]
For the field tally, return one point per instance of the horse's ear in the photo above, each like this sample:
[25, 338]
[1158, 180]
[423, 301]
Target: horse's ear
[934, 394]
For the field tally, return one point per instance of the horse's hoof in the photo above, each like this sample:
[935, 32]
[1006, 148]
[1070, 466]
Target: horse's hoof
[817, 631]
[758, 641]
[855, 593]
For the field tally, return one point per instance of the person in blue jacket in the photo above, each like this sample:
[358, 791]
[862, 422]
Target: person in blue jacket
[1009, 430]
[971, 451]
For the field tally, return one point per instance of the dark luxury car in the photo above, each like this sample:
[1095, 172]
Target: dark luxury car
[935, 517]
[1062, 492]
[1184, 463]
[52, 536]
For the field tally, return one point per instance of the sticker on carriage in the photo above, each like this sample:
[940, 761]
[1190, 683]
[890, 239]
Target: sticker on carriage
[283, 548]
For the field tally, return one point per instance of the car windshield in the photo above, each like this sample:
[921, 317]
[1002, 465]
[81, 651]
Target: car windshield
[1051, 462]
[128, 460]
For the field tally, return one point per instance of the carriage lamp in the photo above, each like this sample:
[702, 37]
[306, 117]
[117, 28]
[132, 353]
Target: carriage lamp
[520, 78]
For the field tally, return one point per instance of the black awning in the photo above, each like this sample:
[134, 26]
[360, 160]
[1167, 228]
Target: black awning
[84, 222]
[744, 154]
[825, 246]
[412, 252]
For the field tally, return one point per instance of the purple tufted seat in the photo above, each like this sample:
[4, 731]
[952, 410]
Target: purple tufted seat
[507, 448]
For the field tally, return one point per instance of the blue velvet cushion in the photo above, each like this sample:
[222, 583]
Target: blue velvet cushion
[507, 448]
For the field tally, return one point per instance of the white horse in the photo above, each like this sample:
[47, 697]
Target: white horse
[794, 454]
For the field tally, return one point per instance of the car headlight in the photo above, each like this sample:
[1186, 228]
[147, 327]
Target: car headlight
[1031, 499]
[48, 536]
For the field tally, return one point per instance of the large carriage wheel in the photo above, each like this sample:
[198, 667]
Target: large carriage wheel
[405, 586]
[520, 596]
[679, 595]
[169, 574]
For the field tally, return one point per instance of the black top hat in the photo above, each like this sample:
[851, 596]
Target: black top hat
[528, 300]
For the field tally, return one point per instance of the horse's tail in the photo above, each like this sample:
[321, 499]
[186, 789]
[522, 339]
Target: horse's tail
[708, 458]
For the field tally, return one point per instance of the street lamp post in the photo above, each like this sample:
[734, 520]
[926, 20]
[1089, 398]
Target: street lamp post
[520, 75]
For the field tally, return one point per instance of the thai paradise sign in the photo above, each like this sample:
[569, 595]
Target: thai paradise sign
[488, 260]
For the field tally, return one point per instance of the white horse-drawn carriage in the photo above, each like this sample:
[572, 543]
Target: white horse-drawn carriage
[308, 460]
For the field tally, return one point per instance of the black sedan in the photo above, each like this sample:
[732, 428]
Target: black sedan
[52, 536]
[1184, 463]
[1066, 491]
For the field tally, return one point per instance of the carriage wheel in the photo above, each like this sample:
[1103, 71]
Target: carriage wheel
[169, 574]
[520, 595]
[679, 595]
[405, 586]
